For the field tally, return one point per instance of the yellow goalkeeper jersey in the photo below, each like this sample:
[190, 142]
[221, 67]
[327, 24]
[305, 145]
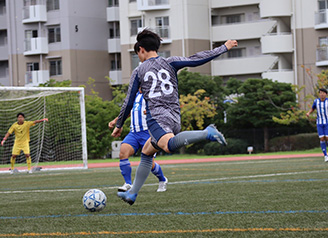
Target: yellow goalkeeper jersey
[22, 132]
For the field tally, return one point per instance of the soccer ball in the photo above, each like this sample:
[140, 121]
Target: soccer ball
[94, 200]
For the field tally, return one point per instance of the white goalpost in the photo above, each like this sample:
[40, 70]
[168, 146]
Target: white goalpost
[59, 143]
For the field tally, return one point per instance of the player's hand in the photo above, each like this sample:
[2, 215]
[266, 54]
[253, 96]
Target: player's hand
[2, 142]
[230, 44]
[44, 119]
[117, 132]
[111, 124]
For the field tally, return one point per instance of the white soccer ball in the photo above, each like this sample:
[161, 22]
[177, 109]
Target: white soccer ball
[94, 200]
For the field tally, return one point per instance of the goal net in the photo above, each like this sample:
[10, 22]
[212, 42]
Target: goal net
[59, 143]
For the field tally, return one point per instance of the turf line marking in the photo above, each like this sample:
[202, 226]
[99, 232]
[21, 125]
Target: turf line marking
[167, 214]
[178, 182]
[88, 233]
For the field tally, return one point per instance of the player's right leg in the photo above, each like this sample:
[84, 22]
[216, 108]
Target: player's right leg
[142, 173]
[321, 133]
[126, 151]
[15, 151]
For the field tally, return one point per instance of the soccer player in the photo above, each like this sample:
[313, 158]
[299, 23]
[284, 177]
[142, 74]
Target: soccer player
[135, 140]
[21, 128]
[321, 104]
[157, 78]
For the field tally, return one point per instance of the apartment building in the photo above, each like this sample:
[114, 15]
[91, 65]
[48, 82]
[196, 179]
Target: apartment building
[58, 39]
[276, 38]
[78, 39]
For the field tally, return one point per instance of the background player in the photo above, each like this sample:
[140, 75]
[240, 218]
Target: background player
[135, 140]
[157, 78]
[321, 104]
[21, 128]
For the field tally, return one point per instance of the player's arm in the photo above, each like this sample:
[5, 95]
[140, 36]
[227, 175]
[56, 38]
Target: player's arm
[42, 120]
[202, 57]
[5, 138]
[311, 110]
[129, 101]
[112, 123]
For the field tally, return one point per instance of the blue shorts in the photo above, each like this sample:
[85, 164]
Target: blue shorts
[322, 130]
[136, 139]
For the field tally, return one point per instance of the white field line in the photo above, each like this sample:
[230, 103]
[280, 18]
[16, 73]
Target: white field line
[178, 182]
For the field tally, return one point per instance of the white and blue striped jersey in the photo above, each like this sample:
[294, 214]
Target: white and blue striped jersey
[138, 116]
[322, 111]
[157, 78]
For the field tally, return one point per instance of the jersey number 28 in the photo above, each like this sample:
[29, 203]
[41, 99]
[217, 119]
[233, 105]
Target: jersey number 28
[166, 85]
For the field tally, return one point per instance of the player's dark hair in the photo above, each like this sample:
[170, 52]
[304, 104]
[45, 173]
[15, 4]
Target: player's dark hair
[20, 114]
[148, 40]
[323, 90]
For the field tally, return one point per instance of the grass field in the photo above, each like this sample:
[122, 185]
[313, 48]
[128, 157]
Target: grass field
[262, 198]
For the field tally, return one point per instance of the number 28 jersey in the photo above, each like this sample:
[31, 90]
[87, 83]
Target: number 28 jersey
[157, 78]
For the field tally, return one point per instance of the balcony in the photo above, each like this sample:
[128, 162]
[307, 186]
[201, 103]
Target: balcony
[322, 56]
[36, 46]
[282, 76]
[246, 65]
[242, 31]
[113, 14]
[34, 78]
[277, 8]
[115, 77]
[150, 5]
[164, 33]
[321, 19]
[234, 3]
[114, 45]
[35, 13]
[277, 43]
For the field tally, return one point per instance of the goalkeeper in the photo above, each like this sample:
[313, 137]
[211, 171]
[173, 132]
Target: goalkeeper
[21, 128]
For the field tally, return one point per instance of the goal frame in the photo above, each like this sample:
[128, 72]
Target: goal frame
[82, 113]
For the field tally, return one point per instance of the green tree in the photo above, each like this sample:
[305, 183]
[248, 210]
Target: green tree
[98, 113]
[258, 101]
[194, 110]
[297, 114]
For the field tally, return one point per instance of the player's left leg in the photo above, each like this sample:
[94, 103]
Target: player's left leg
[189, 137]
[157, 171]
[26, 151]
[325, 138]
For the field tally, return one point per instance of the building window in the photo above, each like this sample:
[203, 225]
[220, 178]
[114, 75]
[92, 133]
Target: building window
[32, 66]
[3, 69]
[55, 67]
[135, 24]
[52, 5]
[3, 37]
[323, 41]
[2, 7]
[113, 3]
[230, 19]
[114, 30]
[134, 61]
[29, 3]
[323, 4]
[54, 34]
[164, 54]
[235, 53]
[132, 0]
[162, 26]
[115, 63]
